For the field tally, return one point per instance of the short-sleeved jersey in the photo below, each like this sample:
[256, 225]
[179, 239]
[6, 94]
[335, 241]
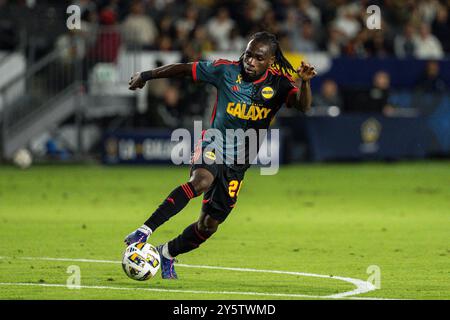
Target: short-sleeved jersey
[240, 104]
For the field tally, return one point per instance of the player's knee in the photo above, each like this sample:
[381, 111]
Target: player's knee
[208, 226]
[200, 185]
[201, 182]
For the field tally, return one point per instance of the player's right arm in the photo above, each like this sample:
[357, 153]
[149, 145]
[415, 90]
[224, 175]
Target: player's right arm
[205, 71]
[139, 79]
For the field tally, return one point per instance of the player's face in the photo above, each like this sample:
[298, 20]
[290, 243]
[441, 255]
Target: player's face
[257, 58]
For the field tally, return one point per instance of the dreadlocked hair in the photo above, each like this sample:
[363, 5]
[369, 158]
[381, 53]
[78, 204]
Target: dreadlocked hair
[281, 63]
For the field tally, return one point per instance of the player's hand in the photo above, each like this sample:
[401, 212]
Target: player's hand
[306, 72]
[136, 82]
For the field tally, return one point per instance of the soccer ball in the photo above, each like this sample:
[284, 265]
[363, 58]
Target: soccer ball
[22, 158]
[141, 261]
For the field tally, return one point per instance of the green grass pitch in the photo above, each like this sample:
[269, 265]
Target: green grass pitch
[333, 220]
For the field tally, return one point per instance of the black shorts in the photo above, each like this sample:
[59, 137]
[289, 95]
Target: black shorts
[221, 197]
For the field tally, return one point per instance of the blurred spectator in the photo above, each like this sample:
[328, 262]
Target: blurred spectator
[427, 10]
[219, 28]
[347, 23]
[165, 26]
[329, 95]
[138, 29]
[378, 45]
[164, 103]
[201, 41]
[377, 100]
[291, 26]
[441, 27]
[431, 80]
[107, 45]
[89, 26]
[189, 21]
[374, 99]
[356, 47]
[335, 42]
[306, 42]
[164, 43]
[256, 9]
[308, 12]
[190, 53]
[237, 43]
[251, 14]
[405, 44]
[71, 46]
[269, 22]
[427, 45]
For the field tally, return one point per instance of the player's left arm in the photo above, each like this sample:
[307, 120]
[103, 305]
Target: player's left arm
[303, 98]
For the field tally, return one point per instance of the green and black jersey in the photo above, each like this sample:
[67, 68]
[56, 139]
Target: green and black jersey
[241, 104]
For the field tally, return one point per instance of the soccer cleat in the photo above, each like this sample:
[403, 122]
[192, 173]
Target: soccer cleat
[140, 235]
[167, 265]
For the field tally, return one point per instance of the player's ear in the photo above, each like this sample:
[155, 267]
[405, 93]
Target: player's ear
[271, 60]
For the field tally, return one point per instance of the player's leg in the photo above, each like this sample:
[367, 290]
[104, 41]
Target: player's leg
[218, 203]
[191, 238]
[200, 181]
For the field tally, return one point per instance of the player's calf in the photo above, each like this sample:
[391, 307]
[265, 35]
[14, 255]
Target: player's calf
[174, 203]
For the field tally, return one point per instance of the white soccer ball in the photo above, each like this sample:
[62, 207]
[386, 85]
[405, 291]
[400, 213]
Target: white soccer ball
[141, 261]
[22, 158]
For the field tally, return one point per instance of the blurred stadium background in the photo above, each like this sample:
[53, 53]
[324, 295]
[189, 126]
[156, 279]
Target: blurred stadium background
[379, 95]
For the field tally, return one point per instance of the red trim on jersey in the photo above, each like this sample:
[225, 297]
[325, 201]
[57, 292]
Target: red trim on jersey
[292, 91]
[224, 61]
[214, 110]
[263, 77]
[194, 70]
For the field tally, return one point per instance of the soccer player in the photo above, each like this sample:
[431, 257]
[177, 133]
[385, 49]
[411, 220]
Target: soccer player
[249, 93]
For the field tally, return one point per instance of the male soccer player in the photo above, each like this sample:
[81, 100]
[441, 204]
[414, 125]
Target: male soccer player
[249, 93]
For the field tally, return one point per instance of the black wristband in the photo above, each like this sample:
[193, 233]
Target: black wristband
[146, 75]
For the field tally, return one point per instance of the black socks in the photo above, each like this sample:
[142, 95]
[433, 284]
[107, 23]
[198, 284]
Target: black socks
[190, 239]
[174, 203]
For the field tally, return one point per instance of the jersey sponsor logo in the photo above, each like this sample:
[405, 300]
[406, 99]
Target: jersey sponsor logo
[267, 92]
[253, 112]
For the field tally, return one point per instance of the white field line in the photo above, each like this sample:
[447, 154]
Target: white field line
[361, 286]
[285, 295]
